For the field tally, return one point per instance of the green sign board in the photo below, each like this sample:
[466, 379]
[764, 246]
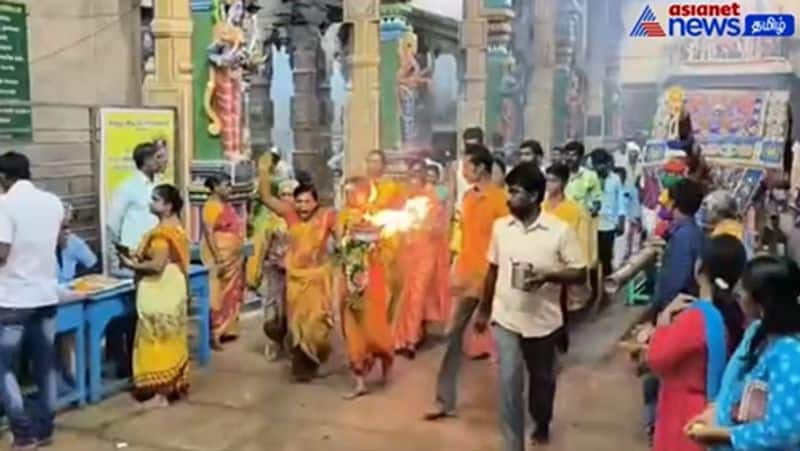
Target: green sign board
[15, 89]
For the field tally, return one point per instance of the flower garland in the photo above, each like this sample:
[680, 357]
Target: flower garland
[354, 255]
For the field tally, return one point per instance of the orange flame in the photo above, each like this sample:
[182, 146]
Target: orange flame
[392, 222]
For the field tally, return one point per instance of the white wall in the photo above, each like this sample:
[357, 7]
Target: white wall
[449, 8]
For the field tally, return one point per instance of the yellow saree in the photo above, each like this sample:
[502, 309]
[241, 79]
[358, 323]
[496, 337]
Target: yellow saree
[161, 351]
[309, 290]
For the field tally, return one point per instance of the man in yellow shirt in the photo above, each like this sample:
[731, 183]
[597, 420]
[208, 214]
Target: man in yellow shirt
[567, 210]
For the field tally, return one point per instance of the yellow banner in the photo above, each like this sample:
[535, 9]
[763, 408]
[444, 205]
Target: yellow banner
[122, 129]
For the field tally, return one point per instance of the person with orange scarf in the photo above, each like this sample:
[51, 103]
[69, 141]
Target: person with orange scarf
[437, 310]
[161, 265]
[362, 289]
[309, 285]
[387, 193]
[222, 251]
[419, 264]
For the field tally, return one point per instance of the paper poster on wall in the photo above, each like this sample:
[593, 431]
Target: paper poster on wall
[125, 189]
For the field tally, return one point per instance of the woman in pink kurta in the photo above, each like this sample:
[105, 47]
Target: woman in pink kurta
[689, 353]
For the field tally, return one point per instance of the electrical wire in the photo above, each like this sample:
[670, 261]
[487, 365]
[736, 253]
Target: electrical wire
[83, 39]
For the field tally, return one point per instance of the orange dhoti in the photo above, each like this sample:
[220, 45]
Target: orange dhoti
[365, 320]
[419, 261]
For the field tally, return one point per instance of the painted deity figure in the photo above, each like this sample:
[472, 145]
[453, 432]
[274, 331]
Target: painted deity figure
[676, 107]
[229, 56]
[410, 79]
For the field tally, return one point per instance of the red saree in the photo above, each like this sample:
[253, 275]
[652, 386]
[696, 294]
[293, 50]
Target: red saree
[226, 278]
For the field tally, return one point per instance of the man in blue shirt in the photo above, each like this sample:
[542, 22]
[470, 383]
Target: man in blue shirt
[611, 222]
[75, 258]
[629, 242]
[684, 244]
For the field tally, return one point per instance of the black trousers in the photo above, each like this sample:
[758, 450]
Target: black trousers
[605, 250]
[539, 355]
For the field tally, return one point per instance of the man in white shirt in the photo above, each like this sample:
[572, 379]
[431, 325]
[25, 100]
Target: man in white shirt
[129, 219]
[526, 318]
[129, 216]
[30, 221]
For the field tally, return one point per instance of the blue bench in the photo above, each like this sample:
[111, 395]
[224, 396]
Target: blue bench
[100, 310]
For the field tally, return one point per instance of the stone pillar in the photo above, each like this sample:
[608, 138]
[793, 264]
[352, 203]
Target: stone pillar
[569, 82]
[260, 112]
[539, 111]
[499, 62]
[612, 90]
[598, 43]
[474, 39]
[171, 84]
[307, 106]
[363, 124]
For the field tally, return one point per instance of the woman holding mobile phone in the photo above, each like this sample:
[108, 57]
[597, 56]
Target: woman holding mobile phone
[161, 264]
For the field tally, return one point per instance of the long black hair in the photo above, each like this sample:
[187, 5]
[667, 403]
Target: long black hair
[722, 262]
[169, 194]
[772, 283]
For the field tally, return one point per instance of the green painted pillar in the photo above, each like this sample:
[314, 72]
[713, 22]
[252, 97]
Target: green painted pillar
[394, 26]
[206, 146]
[499, 14]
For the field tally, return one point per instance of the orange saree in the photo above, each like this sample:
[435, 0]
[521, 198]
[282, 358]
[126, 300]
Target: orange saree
[418, 263]
[161, 350]
[226, 278]
[365, 299]
[440, 307]
[389, 194]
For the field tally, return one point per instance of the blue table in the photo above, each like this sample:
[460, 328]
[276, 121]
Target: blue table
[70, 319]
[100, 310]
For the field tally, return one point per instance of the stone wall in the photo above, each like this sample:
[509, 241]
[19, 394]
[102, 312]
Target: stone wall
[82, 53]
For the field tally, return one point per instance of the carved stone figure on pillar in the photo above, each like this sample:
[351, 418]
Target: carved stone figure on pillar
[575, 107]
[410, 80]
[511, 91]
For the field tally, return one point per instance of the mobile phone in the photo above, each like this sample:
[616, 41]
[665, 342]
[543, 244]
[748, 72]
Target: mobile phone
[123, 250]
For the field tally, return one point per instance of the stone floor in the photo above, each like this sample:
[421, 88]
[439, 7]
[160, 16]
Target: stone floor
[245, 403]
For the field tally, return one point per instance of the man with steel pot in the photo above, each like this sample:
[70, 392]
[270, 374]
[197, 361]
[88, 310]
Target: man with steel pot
[526, 314]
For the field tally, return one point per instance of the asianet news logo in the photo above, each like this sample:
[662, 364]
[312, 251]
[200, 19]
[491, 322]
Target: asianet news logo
[711, 20]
